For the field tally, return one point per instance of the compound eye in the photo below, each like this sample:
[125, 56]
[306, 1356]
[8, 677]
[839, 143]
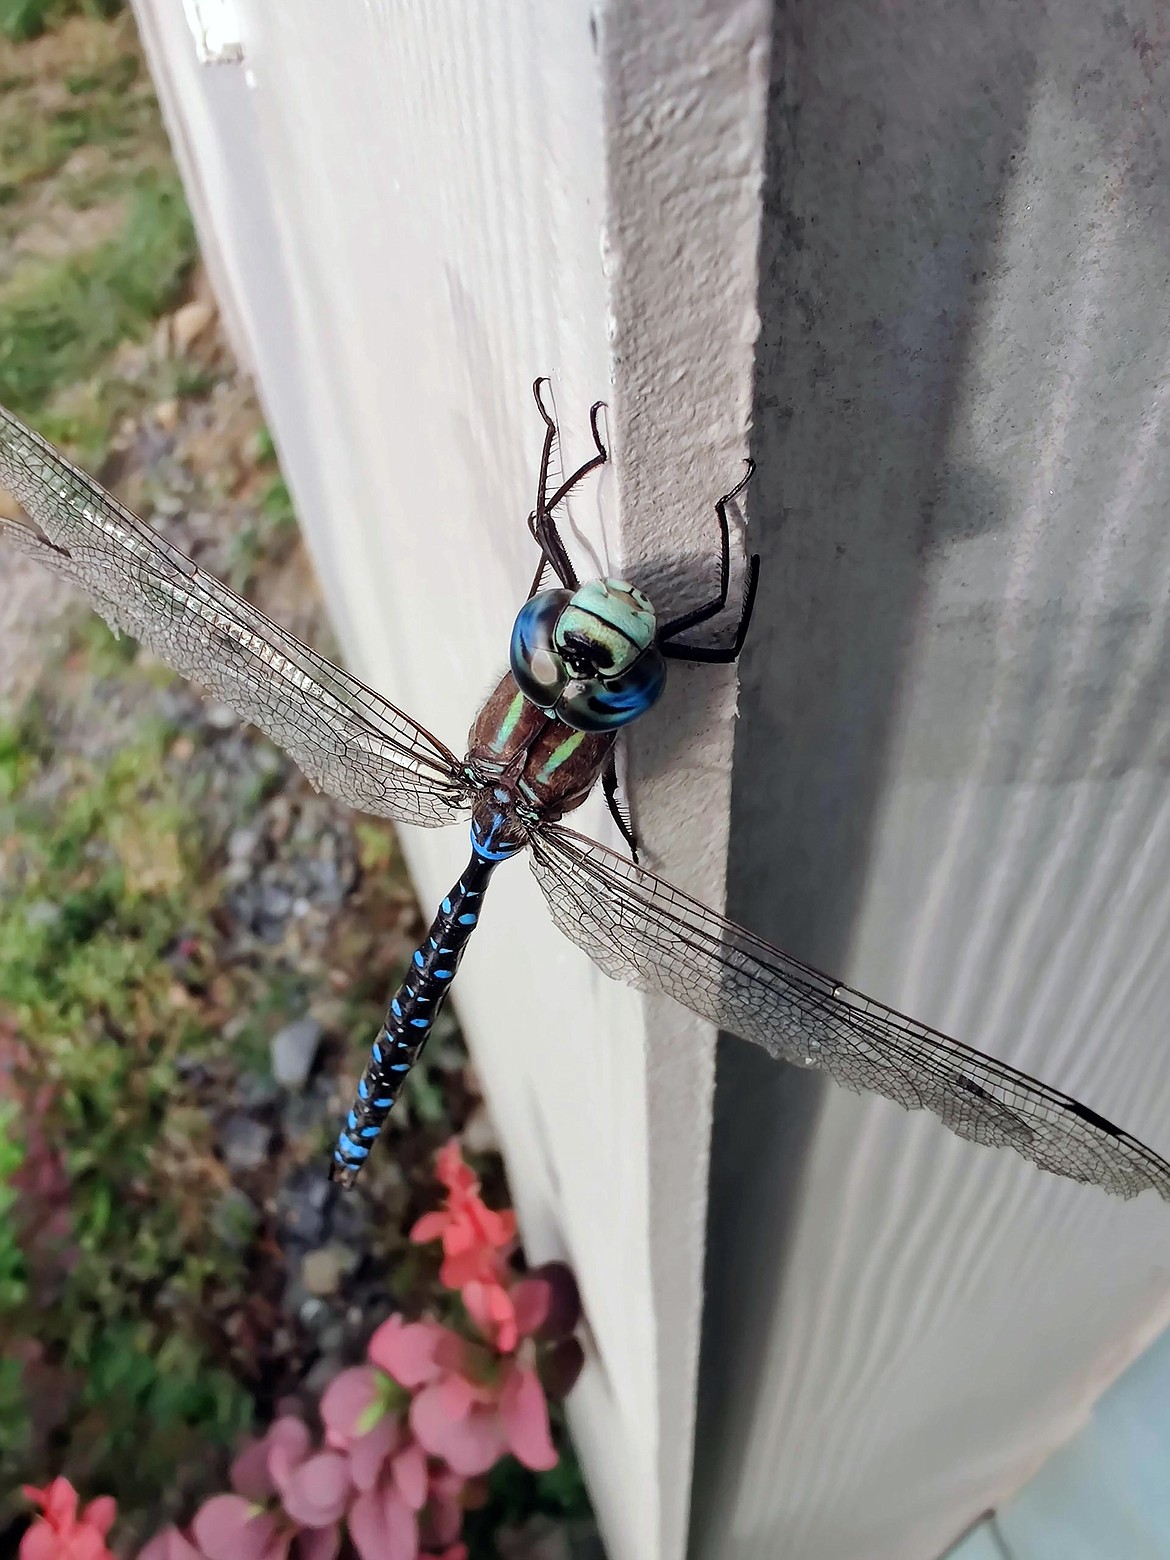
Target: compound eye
[537, 664]
[590, 704]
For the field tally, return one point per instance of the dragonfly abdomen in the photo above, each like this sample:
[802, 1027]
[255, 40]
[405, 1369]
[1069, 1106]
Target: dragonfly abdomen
[409, 1018]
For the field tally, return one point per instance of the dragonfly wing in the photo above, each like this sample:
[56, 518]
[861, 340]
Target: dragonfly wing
[348, 739]
[649, 934]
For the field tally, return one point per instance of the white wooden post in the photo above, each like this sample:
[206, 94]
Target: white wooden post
[410, 212]
[950, 782]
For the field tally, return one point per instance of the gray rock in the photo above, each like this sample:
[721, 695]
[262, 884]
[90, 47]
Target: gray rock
[294, 1050]
[244, 1141]
[323, 1270]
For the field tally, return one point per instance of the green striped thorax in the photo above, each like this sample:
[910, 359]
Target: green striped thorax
[588, 657]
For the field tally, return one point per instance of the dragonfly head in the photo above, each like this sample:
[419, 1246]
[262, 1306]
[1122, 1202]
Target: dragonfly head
[588, 657]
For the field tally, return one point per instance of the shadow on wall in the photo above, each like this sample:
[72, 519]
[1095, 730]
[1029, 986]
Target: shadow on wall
[883, 179]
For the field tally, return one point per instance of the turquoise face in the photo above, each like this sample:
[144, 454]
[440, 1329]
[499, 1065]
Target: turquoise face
[587, 657]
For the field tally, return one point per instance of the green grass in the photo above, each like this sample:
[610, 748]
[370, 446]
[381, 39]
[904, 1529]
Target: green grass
[21, 20]
[60, 321]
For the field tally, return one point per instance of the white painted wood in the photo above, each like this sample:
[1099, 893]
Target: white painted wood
[215, 28]
[410, 211]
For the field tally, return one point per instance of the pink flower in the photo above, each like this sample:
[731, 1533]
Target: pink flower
[228, 1527]
[474, 1236]
[314, 1489]
[504, 1316]
[471, 1407]
[412, 1503]
[170, 1545]
[471, 1424]
[58, 1533]
[414, 1353]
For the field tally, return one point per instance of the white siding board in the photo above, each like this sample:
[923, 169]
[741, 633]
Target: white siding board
[449, 199]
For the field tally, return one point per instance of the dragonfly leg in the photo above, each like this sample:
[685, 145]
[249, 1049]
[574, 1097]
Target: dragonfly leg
[540, 521]
[712, 608]
[619, 814]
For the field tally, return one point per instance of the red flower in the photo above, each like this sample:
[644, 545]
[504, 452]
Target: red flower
[474, 1236]
[59, 1534]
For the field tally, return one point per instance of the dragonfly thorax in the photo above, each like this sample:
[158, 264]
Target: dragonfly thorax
[527, 768]
[588, 657]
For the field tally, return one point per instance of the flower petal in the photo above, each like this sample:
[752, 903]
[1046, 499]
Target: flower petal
[531, 1304]
[40, 1542]
[470, 1444]
[249, 1474]
[316, 1492]
[383, 1529]
[83, 1543]
[352, 1404]
[100, 1514]
[227, 1527]
[289, 1443]
[524, 1414]
[369, 1452]
[406, 1350]
[490, 1307]
[170, 1544]
[410, 1475]
[451, 1170]
[430, 1227]
[61, 1504]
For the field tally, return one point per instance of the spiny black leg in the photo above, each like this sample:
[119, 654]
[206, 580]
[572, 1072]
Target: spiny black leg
[540, 521]
[714, 656]
[712, 608]
[609, 786]
[538, 577]
[591, 464]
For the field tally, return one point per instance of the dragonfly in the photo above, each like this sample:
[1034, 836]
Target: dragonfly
[586, 658]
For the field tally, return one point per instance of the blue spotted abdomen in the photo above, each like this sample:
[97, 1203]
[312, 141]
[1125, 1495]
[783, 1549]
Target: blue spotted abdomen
[409, 1019]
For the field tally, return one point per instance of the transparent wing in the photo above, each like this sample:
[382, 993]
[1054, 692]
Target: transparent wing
[348, 739]
[642, 931]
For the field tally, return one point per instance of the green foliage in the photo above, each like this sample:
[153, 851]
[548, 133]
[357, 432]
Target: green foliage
[21, 20]
[13, 1268]
[59, 322]
[97, 860]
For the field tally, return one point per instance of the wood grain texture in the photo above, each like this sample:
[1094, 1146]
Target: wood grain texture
[412, 210]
